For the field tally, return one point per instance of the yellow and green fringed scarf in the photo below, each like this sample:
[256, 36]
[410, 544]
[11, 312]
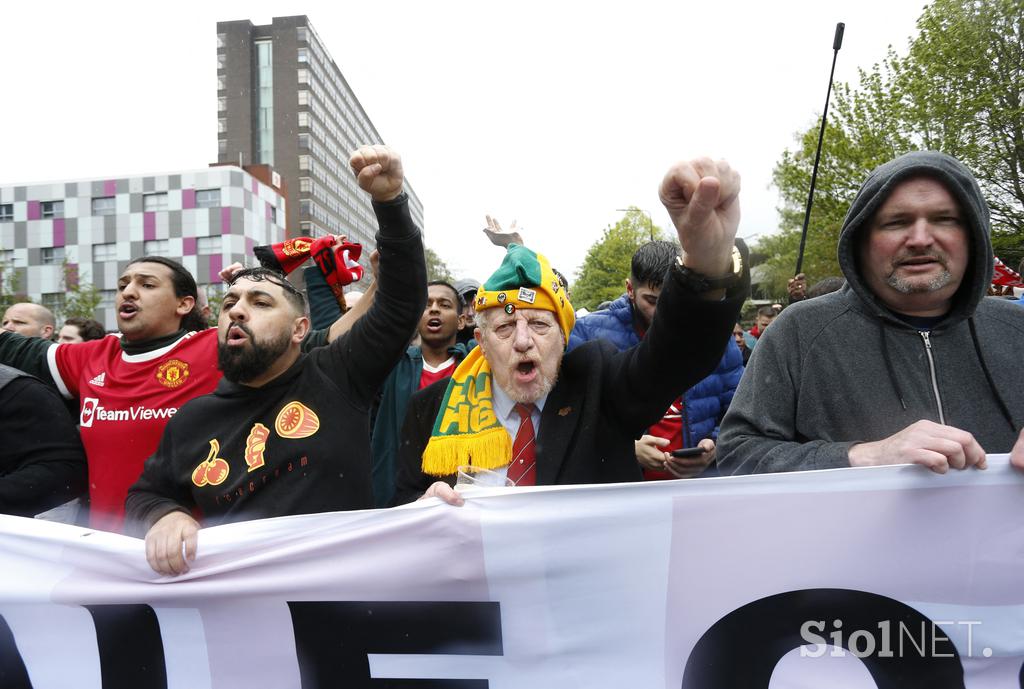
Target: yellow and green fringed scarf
[466, 431]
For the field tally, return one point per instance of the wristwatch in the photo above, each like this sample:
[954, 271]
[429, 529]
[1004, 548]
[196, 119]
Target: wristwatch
[699, 283]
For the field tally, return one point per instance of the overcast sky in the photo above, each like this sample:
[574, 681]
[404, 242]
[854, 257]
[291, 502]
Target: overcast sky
[551, 113]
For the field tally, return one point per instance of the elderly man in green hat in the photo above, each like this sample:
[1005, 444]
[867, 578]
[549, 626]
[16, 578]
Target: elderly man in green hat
[519, 405]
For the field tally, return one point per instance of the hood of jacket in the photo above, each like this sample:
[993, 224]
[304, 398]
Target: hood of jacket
[879, 185]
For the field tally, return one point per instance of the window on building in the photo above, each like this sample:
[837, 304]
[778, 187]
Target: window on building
[221, 60]
[207, 198]
[305, 185]
[222, 147]
[222, 125]
[52, 209]
[305, 162]
[208, 245]
[222, 103]
[156, 247]
[303, 140]
[222, 83]
[265, 103]
[6, 212]
[104, 252]
[302, 34]
[7, 259]
[53, 255]
[222, 40]
[107, 297]
[155, 202]
[303, 97]
[303, 76]
[104, 205]
[303, 55]
[303, 119]
[53, 301]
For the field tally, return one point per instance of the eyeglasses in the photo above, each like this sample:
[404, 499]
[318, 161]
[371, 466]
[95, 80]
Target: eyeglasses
[265, 275]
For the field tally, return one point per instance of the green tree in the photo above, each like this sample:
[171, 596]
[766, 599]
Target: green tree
[959, 89]
[606, 266]
[10, 286]
[81, 298]
[436, 268]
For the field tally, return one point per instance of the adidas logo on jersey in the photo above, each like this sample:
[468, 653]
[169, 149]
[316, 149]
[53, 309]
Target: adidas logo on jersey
[98, 380]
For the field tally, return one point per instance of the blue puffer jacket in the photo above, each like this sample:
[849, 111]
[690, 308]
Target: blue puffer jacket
[704, 404]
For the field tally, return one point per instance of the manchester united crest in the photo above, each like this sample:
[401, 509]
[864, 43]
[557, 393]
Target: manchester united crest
[296, 247]
[173, 373]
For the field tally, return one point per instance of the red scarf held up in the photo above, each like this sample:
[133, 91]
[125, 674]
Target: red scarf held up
[339, 264]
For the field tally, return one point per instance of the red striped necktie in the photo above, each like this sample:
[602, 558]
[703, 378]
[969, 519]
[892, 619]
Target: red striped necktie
[522, 471]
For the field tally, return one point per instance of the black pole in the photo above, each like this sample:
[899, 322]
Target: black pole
[837, 43]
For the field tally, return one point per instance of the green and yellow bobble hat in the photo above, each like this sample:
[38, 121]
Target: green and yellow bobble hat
[466, 431]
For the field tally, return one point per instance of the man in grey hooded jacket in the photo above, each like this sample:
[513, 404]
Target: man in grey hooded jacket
[908, 363]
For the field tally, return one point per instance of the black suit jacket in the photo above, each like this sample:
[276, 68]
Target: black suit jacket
[604, 399]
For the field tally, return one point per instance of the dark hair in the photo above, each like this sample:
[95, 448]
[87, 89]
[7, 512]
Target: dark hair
[296, 298]
[88, 329]
[651, 263]
[184, 286]
[832, 284]
[459, 302]
[561, 279]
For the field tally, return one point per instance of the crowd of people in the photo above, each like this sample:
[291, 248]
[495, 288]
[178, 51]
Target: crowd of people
[301, 402]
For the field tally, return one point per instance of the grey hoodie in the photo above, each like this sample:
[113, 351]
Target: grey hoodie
[841, 369]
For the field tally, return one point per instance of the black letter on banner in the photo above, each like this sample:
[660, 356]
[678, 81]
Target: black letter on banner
[13, 674]
[131, 650]
[743, 648]
[333, 638]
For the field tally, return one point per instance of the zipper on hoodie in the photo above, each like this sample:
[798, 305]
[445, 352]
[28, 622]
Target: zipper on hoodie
[925, 335]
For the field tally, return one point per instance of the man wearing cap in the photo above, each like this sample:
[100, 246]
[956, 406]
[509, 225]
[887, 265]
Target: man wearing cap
[467, 288]
[908, 362]
[516, 405]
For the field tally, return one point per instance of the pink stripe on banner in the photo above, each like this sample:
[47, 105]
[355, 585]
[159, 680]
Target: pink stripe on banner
[59, 236]
[34, 212]
[188, 246]
[149, 226]
[225, 220]
[216, 264]
[110, 187]
[188, 198]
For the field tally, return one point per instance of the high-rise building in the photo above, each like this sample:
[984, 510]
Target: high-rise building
[282, 101]
[54, 233]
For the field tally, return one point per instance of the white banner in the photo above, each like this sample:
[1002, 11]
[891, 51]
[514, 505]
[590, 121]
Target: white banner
[883, 577]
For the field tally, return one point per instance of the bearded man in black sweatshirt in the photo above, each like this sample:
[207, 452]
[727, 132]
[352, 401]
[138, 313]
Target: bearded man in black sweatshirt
[285, 432]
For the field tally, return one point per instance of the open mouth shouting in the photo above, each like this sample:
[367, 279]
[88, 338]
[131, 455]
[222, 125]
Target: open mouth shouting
[525, 372]
[237, 335]
[434, 325]
[127, 311]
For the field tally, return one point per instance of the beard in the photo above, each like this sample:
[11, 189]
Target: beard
[242, 364]
[904, 286]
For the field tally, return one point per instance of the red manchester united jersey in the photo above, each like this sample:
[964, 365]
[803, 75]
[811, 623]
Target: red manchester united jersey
[126, 401]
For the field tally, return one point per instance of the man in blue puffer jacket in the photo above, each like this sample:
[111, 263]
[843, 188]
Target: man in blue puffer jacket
[692, 420]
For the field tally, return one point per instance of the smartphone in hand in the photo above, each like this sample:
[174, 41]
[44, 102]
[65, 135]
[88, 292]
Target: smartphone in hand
[688, 452]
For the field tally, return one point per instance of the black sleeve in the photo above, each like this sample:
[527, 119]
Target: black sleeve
[42, 463]
[683, 346]
[158, 492]
[363, 357]
[323, 307]
[27, 354]
[411, 482]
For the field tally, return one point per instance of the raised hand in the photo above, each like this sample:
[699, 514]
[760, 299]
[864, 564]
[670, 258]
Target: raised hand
[499, 238]
[379, 171]
[702, 198]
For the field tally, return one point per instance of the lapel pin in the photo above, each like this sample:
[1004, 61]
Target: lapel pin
[564, 411]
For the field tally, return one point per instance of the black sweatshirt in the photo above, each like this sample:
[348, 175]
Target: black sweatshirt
[299, 444]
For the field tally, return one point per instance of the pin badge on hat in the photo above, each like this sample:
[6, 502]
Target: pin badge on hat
[510, 309]
[527, 296]
[501, 297]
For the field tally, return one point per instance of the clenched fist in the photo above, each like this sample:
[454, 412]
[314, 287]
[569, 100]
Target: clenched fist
[379, 171]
